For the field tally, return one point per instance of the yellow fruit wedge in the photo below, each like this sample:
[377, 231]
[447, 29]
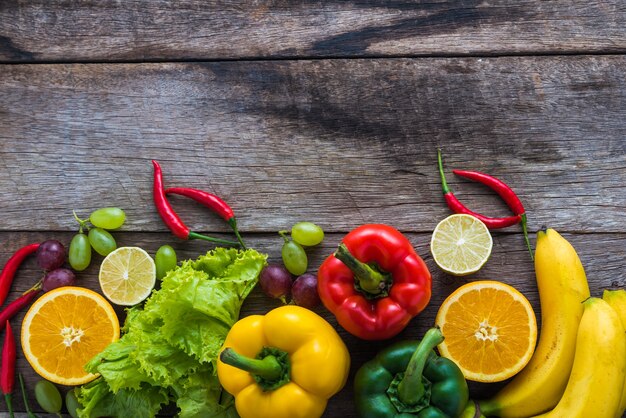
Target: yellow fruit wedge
[127, 276]
[490, 330]
[64, 329]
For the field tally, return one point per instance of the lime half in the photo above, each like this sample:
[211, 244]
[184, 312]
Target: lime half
[127, 276]
[461, 244]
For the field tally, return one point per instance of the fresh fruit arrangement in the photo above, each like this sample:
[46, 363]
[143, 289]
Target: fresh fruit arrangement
[183, 341]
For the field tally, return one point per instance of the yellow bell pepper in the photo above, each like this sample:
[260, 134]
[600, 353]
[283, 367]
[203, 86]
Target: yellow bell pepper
[286, 364]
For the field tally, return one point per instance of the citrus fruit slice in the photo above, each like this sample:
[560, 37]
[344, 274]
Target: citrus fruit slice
[490, 330]
[64, 329]
[127, 276]
[461, 244]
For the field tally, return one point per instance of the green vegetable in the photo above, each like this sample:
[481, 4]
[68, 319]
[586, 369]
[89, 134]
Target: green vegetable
[157, 359]
[165, 260]
[107, 218]
[48, 397]
[409, 380]
[102, 241]
[307, 233]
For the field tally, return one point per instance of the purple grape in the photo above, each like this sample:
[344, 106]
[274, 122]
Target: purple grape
[50, 254]
[304, 291]
[276, 281]
[58, 278]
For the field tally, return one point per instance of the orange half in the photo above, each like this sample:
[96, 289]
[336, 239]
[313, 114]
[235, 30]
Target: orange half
[490, 330]
[64, 329]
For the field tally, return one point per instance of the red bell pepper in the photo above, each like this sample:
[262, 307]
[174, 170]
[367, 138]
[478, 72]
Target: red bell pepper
[375, 283]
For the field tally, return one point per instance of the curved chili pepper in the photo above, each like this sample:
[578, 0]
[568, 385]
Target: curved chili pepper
[7, 374]
[505, 192]
[457, 207]
[213, 202]
[18, 304]
[170, 217]
[11, 266]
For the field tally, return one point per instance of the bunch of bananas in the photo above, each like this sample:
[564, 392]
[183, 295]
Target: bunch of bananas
[578, 369]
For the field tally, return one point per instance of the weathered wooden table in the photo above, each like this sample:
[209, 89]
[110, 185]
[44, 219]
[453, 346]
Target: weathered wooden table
[328, 111]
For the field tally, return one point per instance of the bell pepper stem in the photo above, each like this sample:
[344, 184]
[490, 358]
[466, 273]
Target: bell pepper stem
[370, 280]
[444, 183]
[195, 235]
[411, 389]
[269, 368]
[233, 224]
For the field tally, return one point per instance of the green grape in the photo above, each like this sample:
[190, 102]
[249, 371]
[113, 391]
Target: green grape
[307, 233]
[107, 218]
[48, 397]
[165, 261]
[294, 258]
[80, 252]
[71, 403]
[102, 241]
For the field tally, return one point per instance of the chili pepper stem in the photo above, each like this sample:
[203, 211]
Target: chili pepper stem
[411, 389]
[269, 368]
[370, 280]
[525, 230]
[444, 184]
[26, 405]
[194, 235]
[233, 224]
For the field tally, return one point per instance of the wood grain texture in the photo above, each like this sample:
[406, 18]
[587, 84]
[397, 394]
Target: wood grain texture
[148, 30]
[601, 254]
[338, 142]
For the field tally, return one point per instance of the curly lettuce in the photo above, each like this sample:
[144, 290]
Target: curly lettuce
[169, 347]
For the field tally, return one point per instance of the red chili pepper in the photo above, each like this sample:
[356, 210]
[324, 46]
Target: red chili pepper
[11, 266]
[170, 217]
[457, 207]
[375, 282]
[18, 304]
[213, 202]
[503, 190]
[7, 374]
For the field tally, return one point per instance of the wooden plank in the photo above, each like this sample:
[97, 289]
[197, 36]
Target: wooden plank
[147, 30]
[601, 254]
[338, 142]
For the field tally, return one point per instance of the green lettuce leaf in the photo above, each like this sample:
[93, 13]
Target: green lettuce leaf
[170, 345]
[98, 401]
[200, 395]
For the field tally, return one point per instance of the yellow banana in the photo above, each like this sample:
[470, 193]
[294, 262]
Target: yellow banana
[562, 288]
[617, 300]
[595, 385]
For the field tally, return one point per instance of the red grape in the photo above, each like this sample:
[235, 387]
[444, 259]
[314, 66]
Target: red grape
[58, 278]
[304, 291]
[50, 254]
[276, 281]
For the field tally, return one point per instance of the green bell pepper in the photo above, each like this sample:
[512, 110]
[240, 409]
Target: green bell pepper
[408, 380]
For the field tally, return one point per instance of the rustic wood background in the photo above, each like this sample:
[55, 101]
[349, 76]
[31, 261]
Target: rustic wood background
[328, 111]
